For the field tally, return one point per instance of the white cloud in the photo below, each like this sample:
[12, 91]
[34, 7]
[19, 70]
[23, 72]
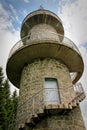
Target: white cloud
[24, 13]
[15, 16]
[12, 8]
[84, 83]
[8, 36]
[74, 17]
[5, 22]
[26, 1]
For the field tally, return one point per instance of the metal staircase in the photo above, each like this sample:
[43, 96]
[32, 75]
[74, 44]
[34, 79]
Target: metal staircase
[35, 109]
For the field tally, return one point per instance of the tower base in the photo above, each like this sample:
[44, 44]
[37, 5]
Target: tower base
[71, 120]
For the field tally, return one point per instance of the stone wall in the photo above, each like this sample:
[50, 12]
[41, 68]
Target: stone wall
[33, 76]
[72, 121]
[32, 81]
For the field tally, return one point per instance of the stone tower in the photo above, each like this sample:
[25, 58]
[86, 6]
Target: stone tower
[46, 66]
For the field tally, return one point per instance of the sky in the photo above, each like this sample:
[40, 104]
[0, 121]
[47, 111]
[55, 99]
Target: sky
[73, 14]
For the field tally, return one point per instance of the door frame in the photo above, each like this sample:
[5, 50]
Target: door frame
[50, 78]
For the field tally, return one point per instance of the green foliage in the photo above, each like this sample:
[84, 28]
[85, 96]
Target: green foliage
[1, 76]
[8, 105]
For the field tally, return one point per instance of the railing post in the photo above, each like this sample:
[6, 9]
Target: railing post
[33, 105]
[78, 88]
[39, 100]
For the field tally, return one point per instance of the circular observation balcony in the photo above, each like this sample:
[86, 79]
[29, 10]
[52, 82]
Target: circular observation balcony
[40, 46]
[41, 17]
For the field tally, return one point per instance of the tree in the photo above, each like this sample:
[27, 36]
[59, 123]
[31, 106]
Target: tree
[13, 114]
[1, 76]
[8, 104]
[1, 98]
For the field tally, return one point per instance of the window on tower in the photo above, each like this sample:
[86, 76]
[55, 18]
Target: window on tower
[51, 91]
[29, 35]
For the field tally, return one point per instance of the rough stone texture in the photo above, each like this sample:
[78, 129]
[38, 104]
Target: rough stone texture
[33, 76]
[32, 82]
[72, 121]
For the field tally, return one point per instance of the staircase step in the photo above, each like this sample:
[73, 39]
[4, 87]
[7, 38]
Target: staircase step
[21, 127]
[52, 108]
[66, 105]
[41, 110]
[61, 105]
[30, 122]
[74, 104]
[83, 96]
[70, 105]
[80, 99]
[41, 114]
[77, 102]
[36, 118]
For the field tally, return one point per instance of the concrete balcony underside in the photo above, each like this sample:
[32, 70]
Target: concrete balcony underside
[28, 53]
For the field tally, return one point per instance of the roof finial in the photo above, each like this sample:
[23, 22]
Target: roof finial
[41, 7]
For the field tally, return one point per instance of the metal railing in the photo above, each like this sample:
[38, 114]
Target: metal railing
[30, 107]
[36, 104]
[38, 12]
[41, 37]
[79, 91]
[51, 96]
[78, 88]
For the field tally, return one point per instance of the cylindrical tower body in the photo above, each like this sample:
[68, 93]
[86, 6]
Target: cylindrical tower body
[41, 65]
